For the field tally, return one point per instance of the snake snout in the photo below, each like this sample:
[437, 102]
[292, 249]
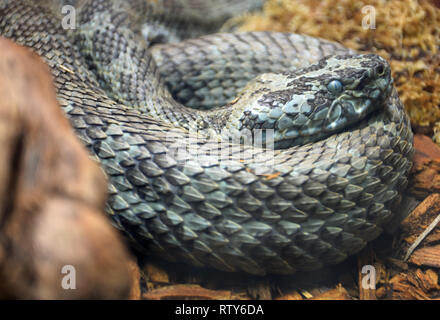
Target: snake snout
[382, 81]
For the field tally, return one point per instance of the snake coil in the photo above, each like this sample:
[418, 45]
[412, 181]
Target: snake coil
[347, 140]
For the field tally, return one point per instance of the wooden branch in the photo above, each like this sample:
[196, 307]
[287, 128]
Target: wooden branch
[52, 195]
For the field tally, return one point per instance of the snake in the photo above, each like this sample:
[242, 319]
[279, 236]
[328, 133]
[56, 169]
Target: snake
[255, 152]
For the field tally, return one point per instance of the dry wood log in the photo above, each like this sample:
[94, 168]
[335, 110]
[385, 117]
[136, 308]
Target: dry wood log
[52, 195]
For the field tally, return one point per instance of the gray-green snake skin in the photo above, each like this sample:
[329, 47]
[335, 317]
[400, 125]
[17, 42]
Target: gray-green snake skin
[347, 140]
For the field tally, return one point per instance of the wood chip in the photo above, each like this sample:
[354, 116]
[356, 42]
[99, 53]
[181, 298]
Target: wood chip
[64, 68]
[426, 149]
[420, 219]
[428, 256]
[422, 236]
[415, 284]
[400, 264]
[425, 178]
[294, 295]
[154, 276]
[339, 293]
[135, 292]
[187, 292]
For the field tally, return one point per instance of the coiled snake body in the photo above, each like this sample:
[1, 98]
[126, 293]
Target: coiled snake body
[347, 140]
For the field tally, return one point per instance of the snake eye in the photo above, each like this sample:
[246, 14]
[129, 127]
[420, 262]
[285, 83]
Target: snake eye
[335, 86]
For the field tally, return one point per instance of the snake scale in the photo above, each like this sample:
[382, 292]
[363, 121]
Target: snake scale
[343, 141]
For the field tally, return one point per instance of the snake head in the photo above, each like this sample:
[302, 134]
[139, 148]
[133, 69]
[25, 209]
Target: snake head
[361, 84]
[324, 98]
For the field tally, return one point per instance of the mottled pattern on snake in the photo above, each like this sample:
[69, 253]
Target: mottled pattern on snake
[315, 204]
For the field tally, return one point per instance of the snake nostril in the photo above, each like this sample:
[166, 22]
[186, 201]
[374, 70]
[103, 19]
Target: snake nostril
[380, 70]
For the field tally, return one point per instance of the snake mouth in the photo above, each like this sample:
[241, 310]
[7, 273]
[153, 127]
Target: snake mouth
[354, 105]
